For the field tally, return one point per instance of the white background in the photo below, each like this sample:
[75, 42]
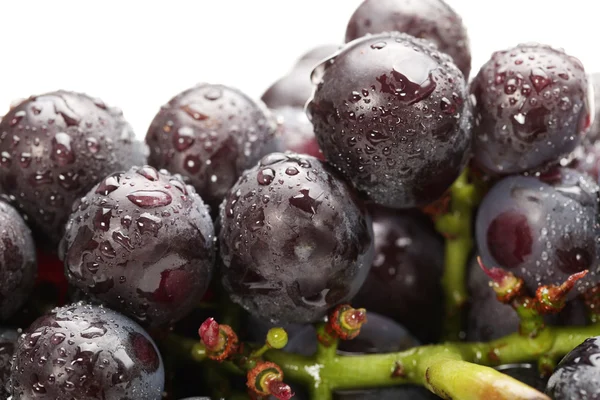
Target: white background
[137, 54]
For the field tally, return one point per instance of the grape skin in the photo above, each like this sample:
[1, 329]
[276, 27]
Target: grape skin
[83, 351]
[542, 230]
[142, 242]
[409, 261]
[576, 376]
[294, 239]
[392, 115]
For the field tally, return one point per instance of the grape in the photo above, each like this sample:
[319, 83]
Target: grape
[526, 373]
[318, 53]
[487, 318]
[292, 90]
[18, 265]
[542, 230]
[295, 88]
[294, 240]
[196, 398]
[142, 242]
[378, 335]
[54, 148]
[391, 113]
[587, 159]
[404, 281]
[576, 376]
[531, 107]
[296, 132]
[433, 20]
[594, 133]
[86, 352]
[8, 340]
[210, 134]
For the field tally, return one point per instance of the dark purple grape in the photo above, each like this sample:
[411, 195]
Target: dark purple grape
[526, 373]
[18, 267]
[8, 340]
[142, 242]
[392, 114]
[54, 148]
[543, 230]
[404, 281]
[531, 107]
[594, 133]
[196, 398]
[586, 159]
[378, 335]
[487, 318]
[296, 132]
[433, 20]
[576, 376]
[295, 88]
[294, 241]
[210, 134]
[574, 314]
[86, 352]
[318, 53]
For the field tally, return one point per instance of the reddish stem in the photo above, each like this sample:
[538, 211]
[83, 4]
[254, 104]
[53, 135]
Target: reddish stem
[355, 318]
[280, 390]
[495, 274]
[566, 287]
[209, 333]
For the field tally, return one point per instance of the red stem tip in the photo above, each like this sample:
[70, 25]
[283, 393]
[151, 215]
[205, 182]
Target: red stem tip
[495, 274]
[209, 333]
[280, 390]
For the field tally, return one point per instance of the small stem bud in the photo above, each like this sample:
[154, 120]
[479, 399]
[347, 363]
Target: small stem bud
[345, 322]
[209, 333]
[551, 299]
[506, 285]
[277, 338]
[355, 318]
[279, 389]
[266, 378]
[220, 340]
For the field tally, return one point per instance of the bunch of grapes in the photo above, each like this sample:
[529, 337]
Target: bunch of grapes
[373, 203]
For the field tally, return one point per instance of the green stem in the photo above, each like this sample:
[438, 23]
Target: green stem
[531, 322]
[431, 366]
[325, 355]
[456, 227]
[259, 352]
[428, 365]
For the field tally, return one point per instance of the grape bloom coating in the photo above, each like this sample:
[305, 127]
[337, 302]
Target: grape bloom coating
[391, 113]
[142, 242]
[294, 239]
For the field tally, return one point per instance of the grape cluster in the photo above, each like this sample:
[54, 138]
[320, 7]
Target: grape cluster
[327, 191]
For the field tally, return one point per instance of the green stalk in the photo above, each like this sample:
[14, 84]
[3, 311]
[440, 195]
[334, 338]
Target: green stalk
[433, 365]
[456, 227]
[457, 370]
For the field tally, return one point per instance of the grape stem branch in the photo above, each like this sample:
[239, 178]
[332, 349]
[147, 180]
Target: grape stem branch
[455, 226]
[453, 370]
